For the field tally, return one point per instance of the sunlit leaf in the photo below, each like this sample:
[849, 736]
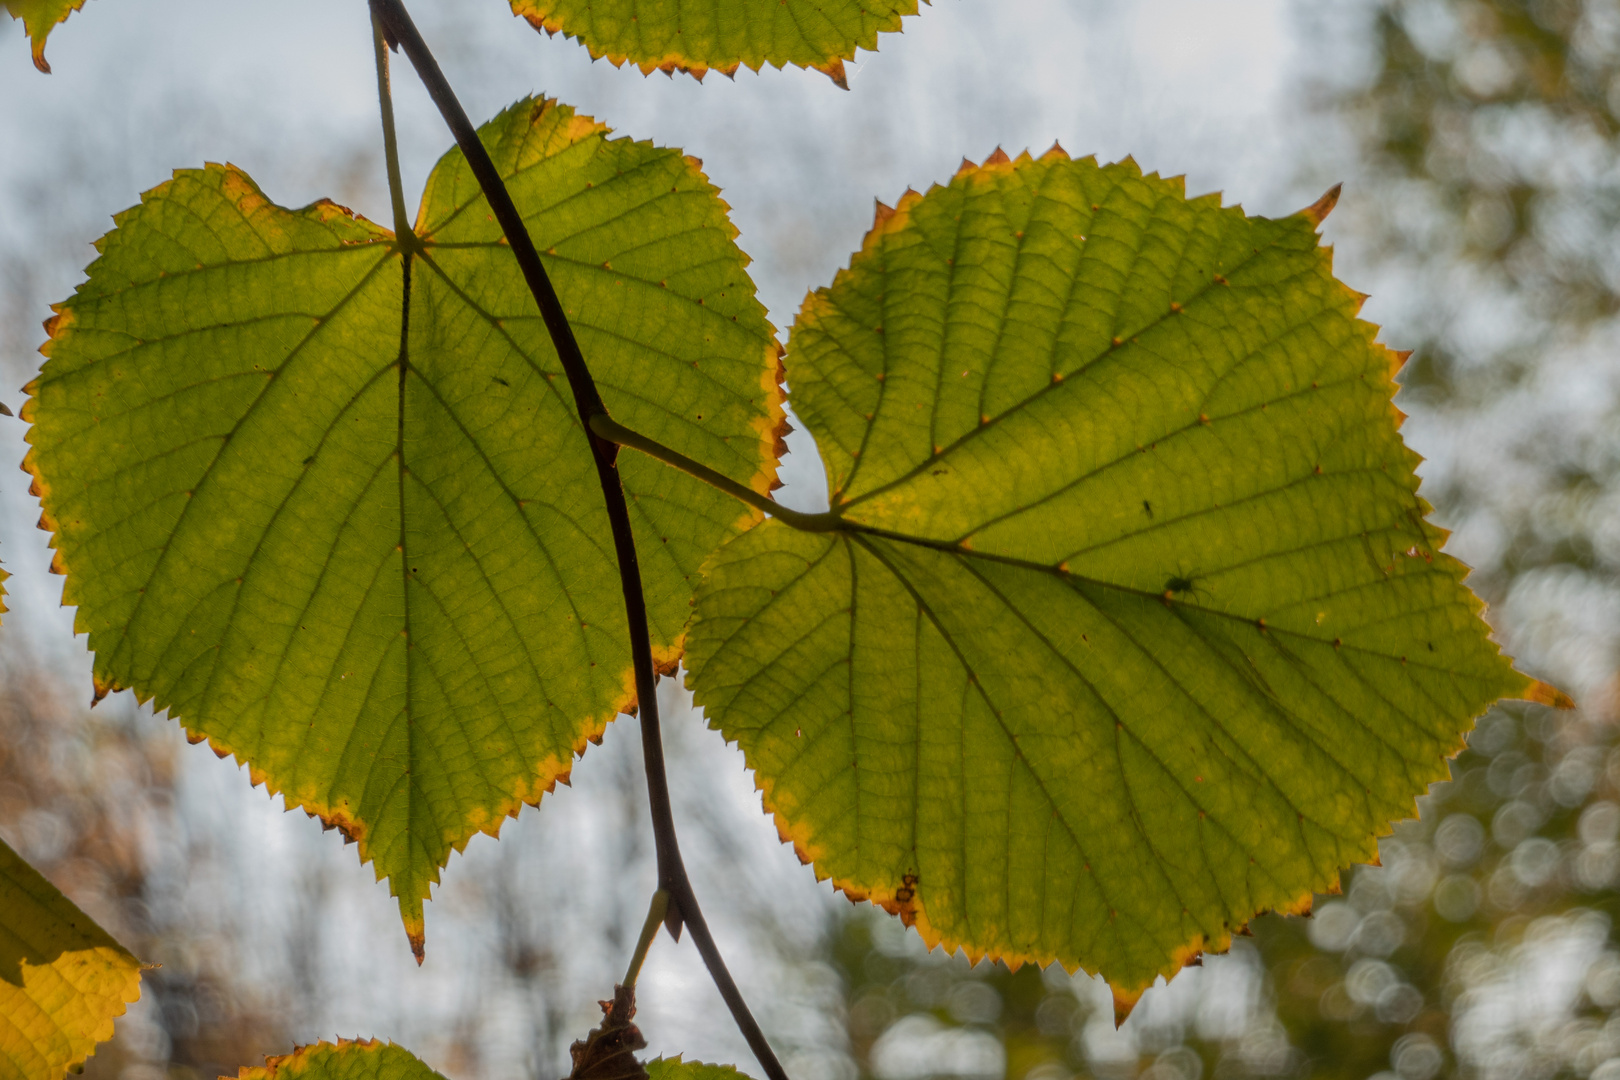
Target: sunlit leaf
[39, 18]
[381, 575]
[343, 1060]
[676, 1069]
[63, 979]
[699, 35]
[1132, 625]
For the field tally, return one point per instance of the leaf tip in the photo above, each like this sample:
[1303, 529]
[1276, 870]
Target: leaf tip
[100, 687]
[834, 70]
[1546, 694]
[1317, 212]
[1124, 1002]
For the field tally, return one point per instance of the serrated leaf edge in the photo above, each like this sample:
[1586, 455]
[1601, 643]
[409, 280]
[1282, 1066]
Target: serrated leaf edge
[902, 901]
[672, 62]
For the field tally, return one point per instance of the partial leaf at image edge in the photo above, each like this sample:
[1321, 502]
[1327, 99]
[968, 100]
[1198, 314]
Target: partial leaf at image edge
[39, 18]
[1131, 624]
[346, 1059]
[63, 979]
[676, 1069]
[369, 556]
[721, 35]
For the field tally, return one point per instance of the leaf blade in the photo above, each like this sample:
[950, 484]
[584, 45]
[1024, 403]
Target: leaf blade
[63, 979]
[39, 18]
[720, 34]
[346, 1059]
[1135, 627]
[676, 1068]
[337, 517]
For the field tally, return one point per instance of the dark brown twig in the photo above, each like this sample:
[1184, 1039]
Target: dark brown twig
[684, 908]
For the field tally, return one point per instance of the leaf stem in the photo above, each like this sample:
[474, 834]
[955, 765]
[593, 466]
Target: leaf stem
[657, 912]
[613, 431]
[385, 98]
[683, 908]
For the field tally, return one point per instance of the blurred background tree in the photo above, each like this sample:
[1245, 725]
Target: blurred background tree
[1477, 140]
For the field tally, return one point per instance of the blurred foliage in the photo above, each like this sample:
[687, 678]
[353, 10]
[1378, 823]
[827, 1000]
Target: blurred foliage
[1486, 212]
[88, 799]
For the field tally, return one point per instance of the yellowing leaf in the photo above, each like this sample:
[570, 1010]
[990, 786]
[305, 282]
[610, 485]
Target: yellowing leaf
[367, 554]
[343, 1060]
[1128, 622]
[698, 35]
[39, 18]
[62, 978]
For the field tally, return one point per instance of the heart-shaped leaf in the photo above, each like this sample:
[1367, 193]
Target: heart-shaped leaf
[1127, 622]
[324, 495]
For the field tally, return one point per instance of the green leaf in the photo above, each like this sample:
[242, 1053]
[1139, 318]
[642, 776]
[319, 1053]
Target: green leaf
[381, 575]
[63, 979]
[39, 18]
[676, 1069]
[343, 1060]
[699, 35]
[1130, 624]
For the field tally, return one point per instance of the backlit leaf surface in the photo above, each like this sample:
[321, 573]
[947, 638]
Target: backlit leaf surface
[676, 1069]
[39, 18]
[697, 35]
[343, 1060]
[378, 572]
[63, 979]
[1134, 626]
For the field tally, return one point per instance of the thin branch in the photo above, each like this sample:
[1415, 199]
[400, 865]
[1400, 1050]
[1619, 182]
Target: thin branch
[613, 431]
[397, 23]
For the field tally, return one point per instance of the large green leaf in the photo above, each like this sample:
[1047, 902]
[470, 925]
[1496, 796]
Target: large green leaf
[697, 35]
[39, 18]
[370, 558]
[63, 979]
[346, 1059]
[1129, 623]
